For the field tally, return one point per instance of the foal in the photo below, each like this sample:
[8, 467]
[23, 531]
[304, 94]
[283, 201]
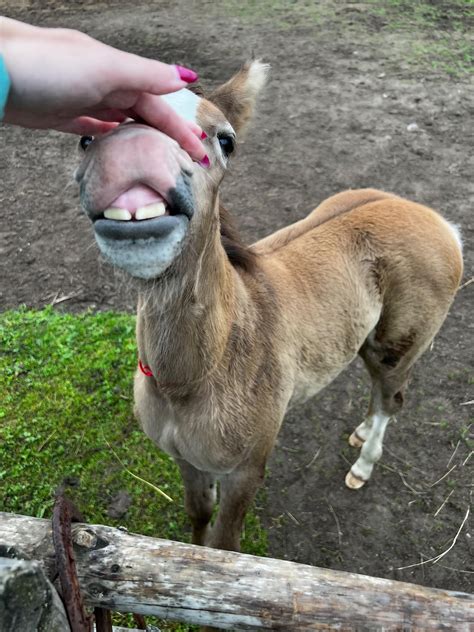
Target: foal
[230, 336]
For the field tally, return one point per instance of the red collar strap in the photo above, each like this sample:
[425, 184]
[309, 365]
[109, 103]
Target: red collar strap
[145, 369]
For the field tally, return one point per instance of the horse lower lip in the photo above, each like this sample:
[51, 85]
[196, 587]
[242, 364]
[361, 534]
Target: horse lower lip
[157, 227]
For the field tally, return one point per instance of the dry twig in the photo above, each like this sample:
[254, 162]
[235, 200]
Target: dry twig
[441, 555]
[444, 476]
[138, 478]
[452, 455]
[290, 515]
[457, 570]
[471, 280]
[314, 458]
[48, 439]
[293, 450]
[412, 489]
[60, 299]
[395, 456]
[338, 526]
[444, 502]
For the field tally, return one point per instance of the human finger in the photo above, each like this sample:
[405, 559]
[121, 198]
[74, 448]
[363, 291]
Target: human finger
[148, 75]
[85, 126]
[113, 115]
[154, 111]
[196, 130]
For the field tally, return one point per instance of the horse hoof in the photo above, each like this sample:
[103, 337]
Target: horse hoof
[354, 482]
[355, 441]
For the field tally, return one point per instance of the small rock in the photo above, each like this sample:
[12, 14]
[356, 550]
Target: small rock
[412, 127]
[119, 504]
[381, 75]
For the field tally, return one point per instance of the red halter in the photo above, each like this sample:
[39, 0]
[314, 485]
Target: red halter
[145, 369]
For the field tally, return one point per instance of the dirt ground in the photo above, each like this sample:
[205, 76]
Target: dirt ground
[342, 93]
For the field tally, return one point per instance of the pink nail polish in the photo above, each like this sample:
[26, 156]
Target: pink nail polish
[205, 162]
[186, 74]
[203, 136]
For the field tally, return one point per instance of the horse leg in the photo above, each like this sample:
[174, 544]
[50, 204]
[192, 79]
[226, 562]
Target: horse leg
[401, 336]
[199, 498]
[237, 491]
[386, 400]
[389, 365]
[362, 432]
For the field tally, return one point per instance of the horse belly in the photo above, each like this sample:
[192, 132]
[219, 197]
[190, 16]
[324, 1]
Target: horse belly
[308, 384]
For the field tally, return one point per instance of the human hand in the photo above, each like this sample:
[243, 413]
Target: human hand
[65, 80]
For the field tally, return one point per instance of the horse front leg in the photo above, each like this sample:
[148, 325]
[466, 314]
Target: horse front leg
[237, 492]
[199, 498]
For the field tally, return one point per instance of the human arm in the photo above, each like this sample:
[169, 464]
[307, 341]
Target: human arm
[65, 80]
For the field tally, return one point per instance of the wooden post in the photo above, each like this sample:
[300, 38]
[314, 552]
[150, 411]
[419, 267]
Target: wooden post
[28, 601]
[133, 573]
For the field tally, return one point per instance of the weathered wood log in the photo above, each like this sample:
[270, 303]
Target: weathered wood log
[28, 601]
[176, 581]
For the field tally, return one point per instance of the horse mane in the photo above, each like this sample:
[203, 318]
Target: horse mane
[238, 253]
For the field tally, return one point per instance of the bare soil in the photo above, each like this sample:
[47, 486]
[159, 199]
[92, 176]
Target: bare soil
[335, 116]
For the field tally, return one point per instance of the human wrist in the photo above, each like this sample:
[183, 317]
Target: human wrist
[10, 29]
[15, 34]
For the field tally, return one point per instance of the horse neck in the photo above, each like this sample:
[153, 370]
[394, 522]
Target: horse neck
[185, 317]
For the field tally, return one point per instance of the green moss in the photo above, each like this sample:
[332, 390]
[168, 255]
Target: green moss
[65, 392]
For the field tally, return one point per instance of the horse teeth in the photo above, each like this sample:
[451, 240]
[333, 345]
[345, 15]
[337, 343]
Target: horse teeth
[150, 210]
[120, 214]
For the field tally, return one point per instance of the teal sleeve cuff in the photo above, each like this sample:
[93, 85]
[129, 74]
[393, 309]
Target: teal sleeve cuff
[4, 86]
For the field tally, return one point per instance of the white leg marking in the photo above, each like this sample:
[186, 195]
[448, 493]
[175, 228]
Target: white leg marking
[370, 453]
[361, 433]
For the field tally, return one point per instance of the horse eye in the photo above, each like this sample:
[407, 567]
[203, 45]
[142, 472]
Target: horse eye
[227, 144]
[85, 142]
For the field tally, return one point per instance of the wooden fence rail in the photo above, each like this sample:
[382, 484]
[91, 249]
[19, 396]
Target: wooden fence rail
[182, 582]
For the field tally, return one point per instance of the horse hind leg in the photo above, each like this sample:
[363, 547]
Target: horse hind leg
[372, 431]
[362, 432]
[415, 303]
[389, 366]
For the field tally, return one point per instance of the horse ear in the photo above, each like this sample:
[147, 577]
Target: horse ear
[237, 97]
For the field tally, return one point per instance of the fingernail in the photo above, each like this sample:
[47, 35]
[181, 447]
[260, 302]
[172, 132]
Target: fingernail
[185, 74]
[203, 136]
[205, 162]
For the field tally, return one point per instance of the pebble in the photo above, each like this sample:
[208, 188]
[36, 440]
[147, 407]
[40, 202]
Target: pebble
[412, 127]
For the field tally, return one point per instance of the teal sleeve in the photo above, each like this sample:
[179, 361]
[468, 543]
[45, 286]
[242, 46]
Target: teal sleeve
[4, 86]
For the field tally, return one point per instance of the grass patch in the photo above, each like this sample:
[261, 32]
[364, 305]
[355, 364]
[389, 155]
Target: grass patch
[437, 35]
[65, 391]
[424, 35]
